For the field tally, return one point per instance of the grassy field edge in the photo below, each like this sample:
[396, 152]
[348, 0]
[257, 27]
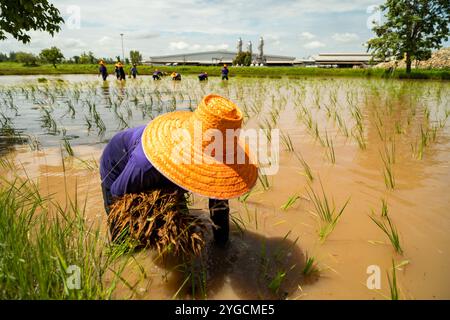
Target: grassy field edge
[11, 68]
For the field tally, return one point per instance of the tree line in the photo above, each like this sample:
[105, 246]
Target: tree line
[54, 56]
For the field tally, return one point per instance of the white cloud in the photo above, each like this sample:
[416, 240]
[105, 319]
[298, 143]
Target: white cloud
[182, 45]
[178, 45]
[222, 46]
[71, 43]
[307, 36]
[314, 45]
[105, 40]
[345, 37]
[143, 35]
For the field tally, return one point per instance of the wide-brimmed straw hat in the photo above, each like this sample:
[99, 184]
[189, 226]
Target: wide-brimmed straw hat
[179, 145]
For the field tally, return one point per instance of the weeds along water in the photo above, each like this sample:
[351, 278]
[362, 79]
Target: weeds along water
[346, 146]
[43, 244]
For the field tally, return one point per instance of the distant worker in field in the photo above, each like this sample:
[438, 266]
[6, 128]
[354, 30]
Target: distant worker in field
[134, 71]
[225, 72]
[176, 76]
[203, 76]
[157, 75]
[116, 70]
[121, 71]
[102, 70]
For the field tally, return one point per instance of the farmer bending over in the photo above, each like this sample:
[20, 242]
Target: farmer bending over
[176, 76]
[157, 75]
[155, 156]
[203, 76]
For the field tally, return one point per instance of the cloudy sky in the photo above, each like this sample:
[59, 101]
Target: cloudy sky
[296, 28]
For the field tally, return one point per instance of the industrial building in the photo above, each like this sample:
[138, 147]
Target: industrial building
[330, 60]
[342, 60]
[215, 58]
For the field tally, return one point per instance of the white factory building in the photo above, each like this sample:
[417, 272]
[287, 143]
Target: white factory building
[259, 58]
[214, 58]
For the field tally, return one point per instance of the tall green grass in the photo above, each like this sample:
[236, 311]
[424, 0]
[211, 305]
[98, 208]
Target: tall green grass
[43, 246]
[9, 68]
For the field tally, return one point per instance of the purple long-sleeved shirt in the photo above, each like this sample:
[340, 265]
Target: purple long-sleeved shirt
[124, 168]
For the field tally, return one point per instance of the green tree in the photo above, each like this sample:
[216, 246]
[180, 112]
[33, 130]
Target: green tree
[12, 56]
[87, 58]
[243, 58]
[19, 17]
[76, 59]
[26, 58]
[136, 57]
[412, 28]
[52, 55]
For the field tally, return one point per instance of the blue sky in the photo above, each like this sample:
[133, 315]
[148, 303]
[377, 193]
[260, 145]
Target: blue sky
[298, 28]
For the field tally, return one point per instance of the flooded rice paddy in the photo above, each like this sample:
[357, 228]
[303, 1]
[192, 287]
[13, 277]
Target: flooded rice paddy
[356, 156]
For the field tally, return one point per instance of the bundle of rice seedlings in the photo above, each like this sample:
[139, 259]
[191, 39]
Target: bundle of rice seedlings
[160, 220]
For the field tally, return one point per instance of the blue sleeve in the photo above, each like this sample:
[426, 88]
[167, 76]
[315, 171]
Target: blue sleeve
[138, 175]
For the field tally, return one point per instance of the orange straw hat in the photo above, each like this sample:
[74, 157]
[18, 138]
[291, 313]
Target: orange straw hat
[179, 145]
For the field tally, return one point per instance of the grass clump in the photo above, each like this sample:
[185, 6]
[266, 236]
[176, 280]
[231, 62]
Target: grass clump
[46, 251]
[326, 211]
[158, 219]
[389, 229]
[290, 202]
[310, 268]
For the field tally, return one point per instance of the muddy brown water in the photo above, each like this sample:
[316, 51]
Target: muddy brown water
[271, 243]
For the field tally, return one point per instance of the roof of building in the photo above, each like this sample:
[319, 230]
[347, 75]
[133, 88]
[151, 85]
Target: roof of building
[343, 58]
[209, 57]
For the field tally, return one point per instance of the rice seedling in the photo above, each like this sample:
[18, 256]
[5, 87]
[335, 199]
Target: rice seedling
[159, 220]
[358, 134]
[276, 282]
[290, 202]
[423, 143]
[330, 149]
[287, 142]
[310, 268]
[388, 159]
[306, 167]
[384, 208]
[393, 283]
[34, 143]
[264, 181]
[341, 125]
[325, 210]
[68, 147]
[386, 225]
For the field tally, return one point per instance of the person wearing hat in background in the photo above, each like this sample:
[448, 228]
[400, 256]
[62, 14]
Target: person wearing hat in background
[116, 70]
[146, 157]
[203, 76]
[225, 72]
[134, 71]
[176, 76]
[157, 74]
[102, 70]
[121, 71]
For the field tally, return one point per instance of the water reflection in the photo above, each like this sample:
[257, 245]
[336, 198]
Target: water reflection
[254, 266]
